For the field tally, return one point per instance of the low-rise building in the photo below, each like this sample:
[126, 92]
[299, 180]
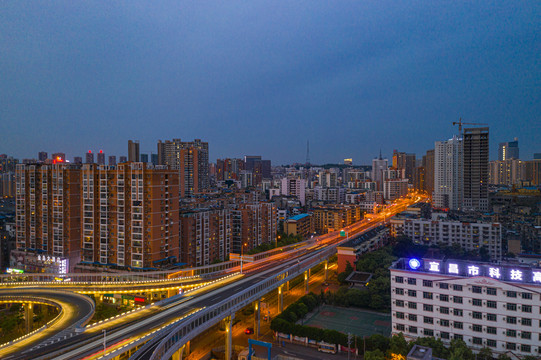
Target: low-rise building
[484, 304]
[300, 225]
[469, 235]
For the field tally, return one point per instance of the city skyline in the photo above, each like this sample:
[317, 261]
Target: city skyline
[262, 79]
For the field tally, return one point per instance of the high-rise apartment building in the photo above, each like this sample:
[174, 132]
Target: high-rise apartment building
[261, 169]
[403, 161]
[101, 158]
[133, 150]
[508, 172]
[253, 224]
[191, 159]
[77, 160]
[130, 215]
[205, 236]
[144, 158]
[379, 165]
[7, 163]
[42, 156]
[48, 204]
[7, 184]
[294, 187]
[428, 165]
[328, 178]
[122, 159]
[112, 160]
[89, 157]
[475, 169]
[532, 172]
[59, 157]
[508, 150]
[448, 174]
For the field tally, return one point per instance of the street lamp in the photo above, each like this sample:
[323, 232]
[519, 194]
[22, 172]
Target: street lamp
[241, 255]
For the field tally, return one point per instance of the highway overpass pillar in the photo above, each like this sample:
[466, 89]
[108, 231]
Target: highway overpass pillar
[257, 317]
[287, 288]
[306, 281]
[28, 316]
[187, 346]
[326, 270]
[280, 299]
[178, 354]
[228, 336]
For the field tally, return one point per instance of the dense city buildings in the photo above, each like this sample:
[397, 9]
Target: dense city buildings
[475, 195]
[508, 150]
[42, 156]
[494, 305]
[448, 174]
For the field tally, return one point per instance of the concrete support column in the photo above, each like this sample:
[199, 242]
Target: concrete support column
[178, 354]
[257, 318]
[287, 283]
[229, 336]
[187, 348]
[326, 270]
[171, 292]
[306, 281]
[28, 316]
[280, 299]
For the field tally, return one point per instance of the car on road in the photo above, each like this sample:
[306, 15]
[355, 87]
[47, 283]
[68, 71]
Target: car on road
[249, 331]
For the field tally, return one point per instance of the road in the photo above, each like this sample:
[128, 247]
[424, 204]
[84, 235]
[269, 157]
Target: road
[76, 309]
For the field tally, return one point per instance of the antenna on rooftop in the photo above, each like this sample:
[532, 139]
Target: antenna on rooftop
[307, 152]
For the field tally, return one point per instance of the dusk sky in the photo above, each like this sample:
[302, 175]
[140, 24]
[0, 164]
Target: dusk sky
[263, 77]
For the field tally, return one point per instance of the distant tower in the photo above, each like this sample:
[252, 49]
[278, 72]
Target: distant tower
[307, 152]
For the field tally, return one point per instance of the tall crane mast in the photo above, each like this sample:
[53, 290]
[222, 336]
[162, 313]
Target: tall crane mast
[460, 123]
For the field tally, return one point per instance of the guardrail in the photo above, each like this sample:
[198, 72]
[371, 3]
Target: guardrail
[213, 314]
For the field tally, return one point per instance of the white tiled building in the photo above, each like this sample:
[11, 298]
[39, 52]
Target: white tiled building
[470, 236]
[486, 305]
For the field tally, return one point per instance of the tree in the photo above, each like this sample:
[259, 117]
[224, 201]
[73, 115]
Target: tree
[398, 345]
[460, 351]
[503, 357]
[374, 355]
[485, 354]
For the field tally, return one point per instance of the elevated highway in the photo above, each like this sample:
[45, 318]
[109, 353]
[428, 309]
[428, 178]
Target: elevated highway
[167, 328]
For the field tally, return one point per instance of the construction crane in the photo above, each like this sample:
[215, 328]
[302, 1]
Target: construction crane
[460, 123]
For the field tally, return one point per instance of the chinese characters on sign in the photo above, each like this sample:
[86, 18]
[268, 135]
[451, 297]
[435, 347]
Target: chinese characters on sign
[502, 272]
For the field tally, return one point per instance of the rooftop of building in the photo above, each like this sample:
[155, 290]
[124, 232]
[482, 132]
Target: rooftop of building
[298, 217]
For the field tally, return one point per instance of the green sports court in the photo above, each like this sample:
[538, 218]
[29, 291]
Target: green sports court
[356, 321]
